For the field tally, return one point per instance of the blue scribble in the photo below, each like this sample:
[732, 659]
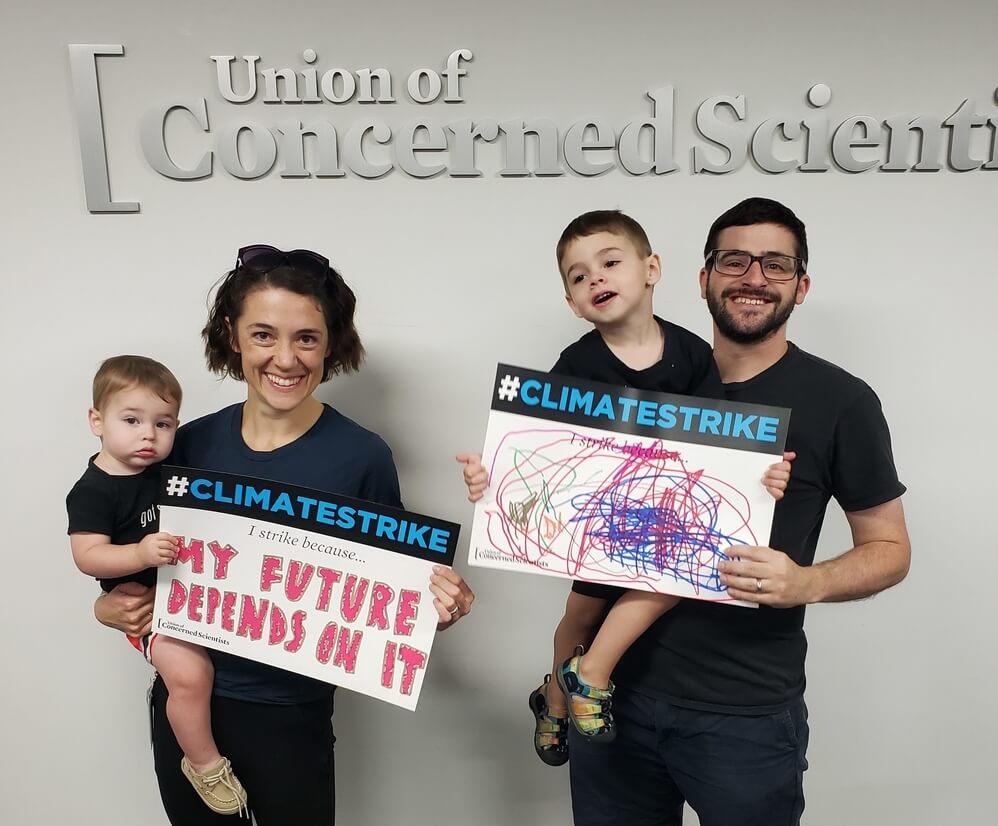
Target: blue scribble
[671, 527]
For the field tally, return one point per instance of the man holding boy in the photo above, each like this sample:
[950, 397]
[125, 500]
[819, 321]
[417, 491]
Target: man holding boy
[709, 704]
[709, 701]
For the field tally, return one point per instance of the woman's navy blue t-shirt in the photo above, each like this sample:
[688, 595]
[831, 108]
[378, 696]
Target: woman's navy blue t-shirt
[335, 455]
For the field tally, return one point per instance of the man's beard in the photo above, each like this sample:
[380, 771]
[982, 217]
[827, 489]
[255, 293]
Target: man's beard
[728, 327]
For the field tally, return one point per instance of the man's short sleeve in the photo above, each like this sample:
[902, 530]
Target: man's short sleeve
[863, 472]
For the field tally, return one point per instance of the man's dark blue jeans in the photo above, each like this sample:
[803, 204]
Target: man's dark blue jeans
[733, 770]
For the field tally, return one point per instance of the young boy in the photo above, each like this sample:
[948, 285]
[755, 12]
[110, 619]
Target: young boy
[113, 522]
[609, 273]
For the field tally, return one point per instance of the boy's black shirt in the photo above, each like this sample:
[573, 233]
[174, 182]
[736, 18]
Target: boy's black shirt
[121, 507]
[687, 366]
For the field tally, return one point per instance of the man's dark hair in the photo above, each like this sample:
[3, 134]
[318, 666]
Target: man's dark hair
[759, 211]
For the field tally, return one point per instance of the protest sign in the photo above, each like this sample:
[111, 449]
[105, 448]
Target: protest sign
[620, 486]
[319, 584]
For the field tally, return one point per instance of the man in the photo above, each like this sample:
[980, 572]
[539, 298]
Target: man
[709, 702]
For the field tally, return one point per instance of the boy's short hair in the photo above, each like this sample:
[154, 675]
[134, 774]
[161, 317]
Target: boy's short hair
[603, 220]
[759, 211]
[122, 372]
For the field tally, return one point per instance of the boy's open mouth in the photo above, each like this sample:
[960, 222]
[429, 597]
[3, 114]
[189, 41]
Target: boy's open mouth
[603, 297]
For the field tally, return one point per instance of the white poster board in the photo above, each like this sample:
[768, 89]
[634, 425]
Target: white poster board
[619, 486]
[322, 585]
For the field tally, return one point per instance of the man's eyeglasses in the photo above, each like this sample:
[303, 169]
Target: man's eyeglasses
[263, 258]
[737, 262]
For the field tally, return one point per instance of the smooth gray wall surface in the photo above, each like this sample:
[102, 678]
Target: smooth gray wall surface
[455, 274]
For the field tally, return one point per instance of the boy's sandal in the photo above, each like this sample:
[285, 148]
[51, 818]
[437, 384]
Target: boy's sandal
[589, 707]
[550, 732]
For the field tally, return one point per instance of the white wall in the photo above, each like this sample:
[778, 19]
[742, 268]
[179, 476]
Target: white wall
[453, 275]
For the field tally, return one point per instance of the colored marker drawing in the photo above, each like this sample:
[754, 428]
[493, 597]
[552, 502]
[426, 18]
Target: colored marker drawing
[632, 512]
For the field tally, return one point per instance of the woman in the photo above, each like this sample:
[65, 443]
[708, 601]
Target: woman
[283, 323]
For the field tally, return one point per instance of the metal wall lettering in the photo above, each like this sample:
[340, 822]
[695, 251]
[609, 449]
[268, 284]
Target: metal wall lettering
[90, 124]
[311, 144]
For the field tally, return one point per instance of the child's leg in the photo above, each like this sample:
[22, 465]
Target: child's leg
[188, 674]
[585, 678]
[578, 624]
[627, 620]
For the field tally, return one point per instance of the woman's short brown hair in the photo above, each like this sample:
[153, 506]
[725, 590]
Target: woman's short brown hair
[329, 291]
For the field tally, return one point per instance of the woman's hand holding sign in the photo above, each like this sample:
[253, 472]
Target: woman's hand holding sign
[451, 595]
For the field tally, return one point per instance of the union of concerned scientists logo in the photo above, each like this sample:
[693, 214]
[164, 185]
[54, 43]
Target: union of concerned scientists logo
[171, 625]
[514, 146]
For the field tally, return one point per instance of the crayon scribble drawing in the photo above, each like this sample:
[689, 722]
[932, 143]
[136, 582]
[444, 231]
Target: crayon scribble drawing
[637, 512]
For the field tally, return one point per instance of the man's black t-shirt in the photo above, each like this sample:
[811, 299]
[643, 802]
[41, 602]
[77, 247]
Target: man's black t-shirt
[751, 661]
[121, 507]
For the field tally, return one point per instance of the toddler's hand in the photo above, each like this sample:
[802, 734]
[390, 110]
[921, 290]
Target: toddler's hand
[778, 475]
[157, 549]
[475, 475]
